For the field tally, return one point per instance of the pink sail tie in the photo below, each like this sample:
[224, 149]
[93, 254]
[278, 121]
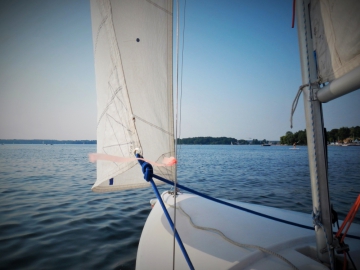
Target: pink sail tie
[167, 161]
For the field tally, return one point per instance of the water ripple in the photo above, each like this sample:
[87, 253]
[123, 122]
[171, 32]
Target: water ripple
[50, 219]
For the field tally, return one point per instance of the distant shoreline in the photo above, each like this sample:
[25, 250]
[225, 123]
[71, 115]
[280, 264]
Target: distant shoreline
[13, 141]
[52, 142]
[184, 141]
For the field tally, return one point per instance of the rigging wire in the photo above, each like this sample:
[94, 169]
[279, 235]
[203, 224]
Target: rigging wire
[182, 65]
[178, 107]
[176, 119]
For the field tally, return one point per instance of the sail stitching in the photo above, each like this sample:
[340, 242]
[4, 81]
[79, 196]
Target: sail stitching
[115, 116]
[168, 170]
[117, 49]
[155, 126]
[109, 103]
[98, 32]
[115, 133]
[116, 57]
[118, 167]
[115, 145]
[115, 171]
[159, 7]
[123, 167]
[127, 127]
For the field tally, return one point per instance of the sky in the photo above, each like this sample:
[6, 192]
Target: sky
[241, 71]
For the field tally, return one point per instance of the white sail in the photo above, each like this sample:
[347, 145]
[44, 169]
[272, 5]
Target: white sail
[336, 36]
[133, 67]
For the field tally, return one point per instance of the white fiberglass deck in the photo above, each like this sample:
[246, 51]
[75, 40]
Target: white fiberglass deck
[209, 250]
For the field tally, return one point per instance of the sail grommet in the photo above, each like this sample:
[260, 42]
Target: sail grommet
[147, 170]
[138, 40]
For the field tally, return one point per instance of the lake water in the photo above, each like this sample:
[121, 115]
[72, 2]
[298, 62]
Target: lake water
[50, 219]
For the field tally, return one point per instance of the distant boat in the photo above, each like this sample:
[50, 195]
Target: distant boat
[351, 144]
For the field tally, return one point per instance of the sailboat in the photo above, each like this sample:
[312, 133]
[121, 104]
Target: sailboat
[133, 52]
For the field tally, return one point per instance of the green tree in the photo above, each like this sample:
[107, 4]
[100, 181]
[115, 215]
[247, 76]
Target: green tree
[344, 133]
[256, 141]
[332, 135]
[290, 139]
[357, 132]
[300, 137]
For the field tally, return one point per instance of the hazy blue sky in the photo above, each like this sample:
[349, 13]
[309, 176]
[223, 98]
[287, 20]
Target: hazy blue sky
[241, 71]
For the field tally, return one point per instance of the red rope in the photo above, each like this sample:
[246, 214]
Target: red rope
[349, 219]
[346, 224]
[345, 261]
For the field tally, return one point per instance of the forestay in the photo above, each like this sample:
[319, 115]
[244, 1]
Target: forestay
[336, 36]
[133, 67]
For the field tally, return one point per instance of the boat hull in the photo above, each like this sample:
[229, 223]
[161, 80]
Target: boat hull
[208, 249]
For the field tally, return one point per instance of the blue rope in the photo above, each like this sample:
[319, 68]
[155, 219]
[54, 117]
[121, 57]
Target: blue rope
[178, 239]
[148, 174]
[242, 208]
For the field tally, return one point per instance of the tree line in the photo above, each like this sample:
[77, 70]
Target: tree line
[339, 135]
[207, 140]
[335, 135]
[218, 140]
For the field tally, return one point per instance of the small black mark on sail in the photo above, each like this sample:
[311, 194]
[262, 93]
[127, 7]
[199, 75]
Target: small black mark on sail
[138, 40]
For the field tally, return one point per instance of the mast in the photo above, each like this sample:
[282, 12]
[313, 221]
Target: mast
[315, 137]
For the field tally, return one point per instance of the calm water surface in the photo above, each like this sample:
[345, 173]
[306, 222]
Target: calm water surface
[50, 219]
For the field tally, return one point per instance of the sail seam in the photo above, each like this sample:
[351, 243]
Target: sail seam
[114, 145]
[98, 32]
[155, 126]
[117, 49]
[159, 7]
[117, 61]
[125, 127]
[109, 103]
[104, 189]
[114, 132]
[120, 168]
